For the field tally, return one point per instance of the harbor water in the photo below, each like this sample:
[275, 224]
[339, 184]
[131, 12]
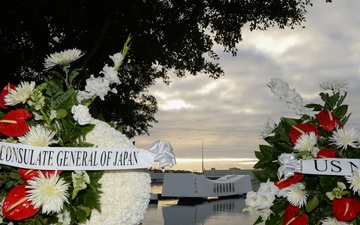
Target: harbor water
[210, 212]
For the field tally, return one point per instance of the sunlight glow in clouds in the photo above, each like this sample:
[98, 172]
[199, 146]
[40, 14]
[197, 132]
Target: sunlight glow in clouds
[229, 113]
[175, 104]
[274, 45]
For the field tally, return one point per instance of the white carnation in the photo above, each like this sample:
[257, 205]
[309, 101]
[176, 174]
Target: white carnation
[81, 114]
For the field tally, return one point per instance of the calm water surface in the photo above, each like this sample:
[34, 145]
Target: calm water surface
[214, 212]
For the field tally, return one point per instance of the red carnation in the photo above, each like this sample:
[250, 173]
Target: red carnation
[282, 183]
[327, 120]
[299, 129]
[13, 124]
[291, 216]
[326, 153]
[345, 208]
[16, 205]
[3, 93]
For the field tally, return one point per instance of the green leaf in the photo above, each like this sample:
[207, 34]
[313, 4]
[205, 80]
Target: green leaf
[81, 215]
[312, 203]
[315, 107]
[290, 121]
[328, 183]
[267, 152]
[341, 111]
[73, 74]
[61, 113]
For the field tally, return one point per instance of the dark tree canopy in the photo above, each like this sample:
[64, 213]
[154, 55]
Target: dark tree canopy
[167, 34]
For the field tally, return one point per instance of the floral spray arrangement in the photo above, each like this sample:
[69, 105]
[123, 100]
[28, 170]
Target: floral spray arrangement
[61, 166]
[310, 168]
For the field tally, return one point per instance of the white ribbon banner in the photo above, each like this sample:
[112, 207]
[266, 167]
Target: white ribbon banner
[78, 158]
[330, 166]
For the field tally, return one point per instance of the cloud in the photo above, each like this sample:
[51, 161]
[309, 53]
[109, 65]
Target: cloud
[225, 116]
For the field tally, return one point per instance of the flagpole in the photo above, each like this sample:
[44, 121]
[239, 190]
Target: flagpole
[202, 156]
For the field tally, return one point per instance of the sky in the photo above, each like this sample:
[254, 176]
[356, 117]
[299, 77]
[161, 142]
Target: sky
[220, 120]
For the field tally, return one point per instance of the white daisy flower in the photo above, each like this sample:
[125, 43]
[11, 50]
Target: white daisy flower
[295, 194]
[48, 192]
[306, 142]
[332, 221]
[335, 85]
[343, 138]
[20, 94]
[63, 58]
[269, 128]
[354, 181]
[38, 136]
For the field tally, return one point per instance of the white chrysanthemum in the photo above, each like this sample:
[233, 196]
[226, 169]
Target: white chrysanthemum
[38, 136]
[269, 128]
[354, 181]
[295, 194]
[63, 58]
[20, 94]
[306, 142]
[332, 221]
[48, 192]
[110, 74]
[81, 114]
[343, 138]
[64, 218]
[252, 199]
[268, 187]
[127, 203]
[335, 85]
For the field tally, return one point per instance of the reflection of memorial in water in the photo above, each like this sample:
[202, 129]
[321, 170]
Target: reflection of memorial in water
[197, 214]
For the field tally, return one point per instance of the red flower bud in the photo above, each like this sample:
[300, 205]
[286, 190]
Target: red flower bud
[345, 208]
[16, 205]
[299, 129]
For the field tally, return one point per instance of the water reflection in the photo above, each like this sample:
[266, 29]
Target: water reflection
[214, 212]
